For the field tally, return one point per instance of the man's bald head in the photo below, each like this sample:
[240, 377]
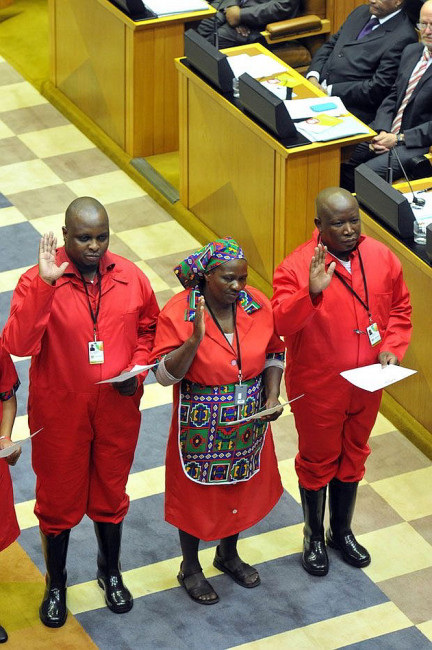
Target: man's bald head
[86, 209]
[338, 220]
[86, 234]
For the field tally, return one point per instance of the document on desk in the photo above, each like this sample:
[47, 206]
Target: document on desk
[301, 109]
[327, 127]
[167, 7]
[4, 453]
[258, 66]
[136, 370]
[375, 377]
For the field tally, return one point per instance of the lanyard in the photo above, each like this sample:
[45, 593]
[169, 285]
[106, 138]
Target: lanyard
[94, 315]
[238, 354]
[354, 293]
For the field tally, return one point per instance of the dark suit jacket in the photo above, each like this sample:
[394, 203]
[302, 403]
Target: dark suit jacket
[417, 116]
[362, 72]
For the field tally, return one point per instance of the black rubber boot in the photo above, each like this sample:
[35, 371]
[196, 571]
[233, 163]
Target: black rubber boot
[117, 597]
[3, 635]
[342, 498]
[314, 559]
[53, 612]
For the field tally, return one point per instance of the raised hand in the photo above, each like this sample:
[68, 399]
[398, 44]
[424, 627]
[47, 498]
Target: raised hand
[319, 277]
[199, 322]
[48, 269]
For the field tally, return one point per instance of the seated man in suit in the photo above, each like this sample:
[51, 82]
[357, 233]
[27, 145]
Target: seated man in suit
[240, 21]
[359, 63]
[404, 118]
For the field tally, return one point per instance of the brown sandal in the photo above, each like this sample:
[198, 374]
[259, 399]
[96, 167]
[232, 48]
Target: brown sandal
[239, 571]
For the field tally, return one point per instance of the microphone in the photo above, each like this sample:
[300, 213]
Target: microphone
[215, 26]
[416, 200]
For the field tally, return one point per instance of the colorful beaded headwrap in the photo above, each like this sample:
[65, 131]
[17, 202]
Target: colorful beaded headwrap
[193, 268]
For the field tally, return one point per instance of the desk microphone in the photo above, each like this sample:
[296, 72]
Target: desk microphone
[416, 200]
[215, 26]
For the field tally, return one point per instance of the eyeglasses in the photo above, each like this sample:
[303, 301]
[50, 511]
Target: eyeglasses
[423, 26]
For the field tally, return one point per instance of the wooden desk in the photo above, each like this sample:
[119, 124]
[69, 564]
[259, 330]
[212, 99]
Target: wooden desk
[414, 396]
[118, 72]
[240, 181]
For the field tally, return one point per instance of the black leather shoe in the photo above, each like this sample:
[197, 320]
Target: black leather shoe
[352, 552]
[53, 611]
[117, 597]
[3, 635]
[314, 558]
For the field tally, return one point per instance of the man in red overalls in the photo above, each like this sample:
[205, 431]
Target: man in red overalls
[340, 302]
[84, 315]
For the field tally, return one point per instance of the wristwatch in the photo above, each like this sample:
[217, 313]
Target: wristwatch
[400, 138]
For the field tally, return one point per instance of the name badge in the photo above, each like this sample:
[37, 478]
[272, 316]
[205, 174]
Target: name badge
[96, 352]
[240, 391]
[373, 334]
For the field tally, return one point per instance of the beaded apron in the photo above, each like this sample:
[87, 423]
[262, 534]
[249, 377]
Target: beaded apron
[212, 451]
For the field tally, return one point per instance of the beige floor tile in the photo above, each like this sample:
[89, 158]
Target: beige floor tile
[156, 395]
[53, 223]
[164, 265]
[424, 527]
[43, 201]
[372, 512]
[24, 176]
[56, 141]
[11, 215]
[407, 493]
[159, 239]
[19, 95]
[33, 118]
[393, 454]
[382, 425]
[134, 213]
[80, 164]
[9, 279]
[157, 283]
[426, 629]
[107, 188]
[5, 131]
[162, 297]
[412, 593]
[118, 247]
[13, 150]
[8, 75]
[396, 551]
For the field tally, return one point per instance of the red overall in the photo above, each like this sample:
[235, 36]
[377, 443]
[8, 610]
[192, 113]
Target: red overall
[334, 419]
[216, 511]
[9, 529]
[83, 456]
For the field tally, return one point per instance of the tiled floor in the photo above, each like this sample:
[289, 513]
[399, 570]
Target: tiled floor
[45, 163]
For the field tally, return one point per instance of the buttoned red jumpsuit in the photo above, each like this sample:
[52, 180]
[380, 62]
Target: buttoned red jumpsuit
[83, 456]
[334, 419]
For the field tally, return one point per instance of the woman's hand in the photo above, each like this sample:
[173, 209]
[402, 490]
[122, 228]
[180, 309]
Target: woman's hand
[199, 322]
[12, 459]
[48, 269]
[270, 403]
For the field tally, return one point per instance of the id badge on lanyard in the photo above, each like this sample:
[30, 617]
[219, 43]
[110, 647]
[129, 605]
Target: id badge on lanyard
[95, 347]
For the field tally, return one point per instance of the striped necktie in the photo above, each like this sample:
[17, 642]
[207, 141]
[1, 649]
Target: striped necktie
[417, 74]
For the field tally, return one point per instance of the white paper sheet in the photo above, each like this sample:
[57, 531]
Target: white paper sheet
[375, 377]
[10, 450]
[136, 370]
[257, 66]
[167, 7]
[301, 109]
[259, 414]
[319, 133]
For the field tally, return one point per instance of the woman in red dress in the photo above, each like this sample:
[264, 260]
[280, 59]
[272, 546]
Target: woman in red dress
[216, 344]
[9, 383]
